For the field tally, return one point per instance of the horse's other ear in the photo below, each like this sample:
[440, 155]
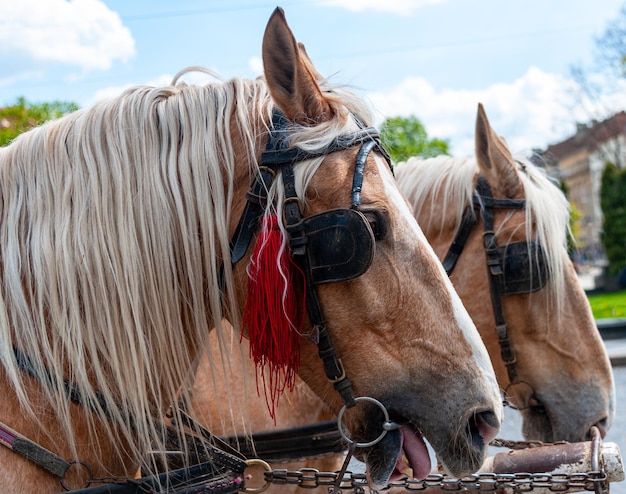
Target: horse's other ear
[494, 158]
[290, 75]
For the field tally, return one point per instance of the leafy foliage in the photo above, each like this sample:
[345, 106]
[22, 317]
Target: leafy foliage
[612, 194]
[24, 115]
[406, 137]
[574, 223]
[575, 220]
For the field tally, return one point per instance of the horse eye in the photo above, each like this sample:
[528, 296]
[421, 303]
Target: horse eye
[377, 222]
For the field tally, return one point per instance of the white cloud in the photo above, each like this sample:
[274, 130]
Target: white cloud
[79, 32]
[531, 112]
[255, 64]
[395, 6]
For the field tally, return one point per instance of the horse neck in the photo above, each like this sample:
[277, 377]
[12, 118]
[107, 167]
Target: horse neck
[166, 323]
[19, 474]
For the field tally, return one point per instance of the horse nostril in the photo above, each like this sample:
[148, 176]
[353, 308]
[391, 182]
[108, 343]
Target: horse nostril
[602, 426]
[483, 427]
[536, 406]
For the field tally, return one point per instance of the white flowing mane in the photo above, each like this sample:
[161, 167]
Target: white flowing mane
[113, 228]
[448, 182]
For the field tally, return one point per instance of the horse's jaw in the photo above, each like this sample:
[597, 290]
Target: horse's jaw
[560, 418]
[401, 453]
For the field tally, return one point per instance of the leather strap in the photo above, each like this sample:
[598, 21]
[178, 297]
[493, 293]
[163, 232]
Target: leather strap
[32, 451]
[460, 239]
[494, 267]
[201, 449]
[25, 363]
[255, 204]
[291, 444]
[333, 366]
[483, 205]
[359, 171]
[203, 478]
[284, 155]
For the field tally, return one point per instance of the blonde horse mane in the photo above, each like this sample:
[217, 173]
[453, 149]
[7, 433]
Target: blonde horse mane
[547, 210]
[113, 228]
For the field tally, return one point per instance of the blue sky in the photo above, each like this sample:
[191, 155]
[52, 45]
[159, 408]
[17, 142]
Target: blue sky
[435, 59]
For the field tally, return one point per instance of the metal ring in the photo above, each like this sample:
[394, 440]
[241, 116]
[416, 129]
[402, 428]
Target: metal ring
[79, 464]
[507, 401]
[266, 466]
[388, 425]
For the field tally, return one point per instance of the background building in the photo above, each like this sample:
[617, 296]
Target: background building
[578, 161]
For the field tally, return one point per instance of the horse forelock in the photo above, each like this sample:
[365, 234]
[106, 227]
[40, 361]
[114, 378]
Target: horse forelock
[350, 115]
[443, 186]
[547, 213]
[439, 186]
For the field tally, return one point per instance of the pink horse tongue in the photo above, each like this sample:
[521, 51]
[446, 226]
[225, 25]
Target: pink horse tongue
[416, 452]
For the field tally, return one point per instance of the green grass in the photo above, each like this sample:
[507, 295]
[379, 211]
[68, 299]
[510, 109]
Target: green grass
[607, 305]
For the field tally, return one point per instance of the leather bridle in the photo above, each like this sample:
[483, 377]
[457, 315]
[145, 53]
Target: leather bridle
[349, 254]
[515, 268]
[321, 263]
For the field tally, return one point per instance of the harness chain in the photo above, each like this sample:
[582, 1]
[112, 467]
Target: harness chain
[596, 479]
[311, 478]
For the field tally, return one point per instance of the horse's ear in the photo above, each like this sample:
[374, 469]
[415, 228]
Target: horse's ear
[309, 64]
[290, 75]
[494, 158]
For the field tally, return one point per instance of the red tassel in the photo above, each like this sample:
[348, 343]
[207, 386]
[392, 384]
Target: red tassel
[271, 314]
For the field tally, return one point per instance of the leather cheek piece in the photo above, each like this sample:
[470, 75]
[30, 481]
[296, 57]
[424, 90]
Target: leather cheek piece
[340, 245]
[524, 267]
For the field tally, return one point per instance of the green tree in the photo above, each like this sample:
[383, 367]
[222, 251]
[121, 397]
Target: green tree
[612, 194]
[406, 137]
[597, 83]
[24, 115]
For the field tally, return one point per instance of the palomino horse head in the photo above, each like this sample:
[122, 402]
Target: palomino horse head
[117, 228]
[394, 353]
[503, 237]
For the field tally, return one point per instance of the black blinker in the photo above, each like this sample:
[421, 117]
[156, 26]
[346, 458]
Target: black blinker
[523, 266]
[340, 245]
